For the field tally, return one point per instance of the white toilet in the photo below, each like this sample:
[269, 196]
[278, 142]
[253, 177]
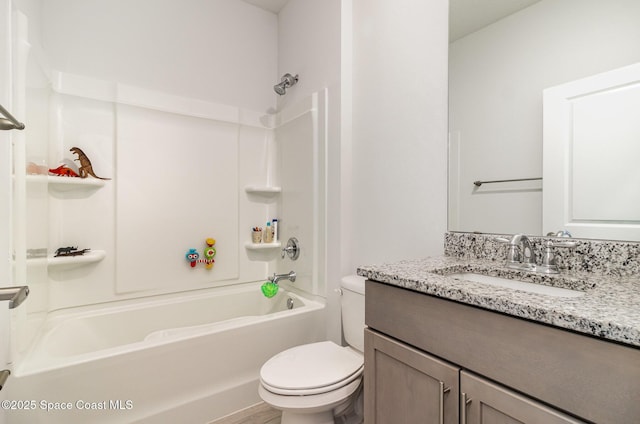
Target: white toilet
[312, 383]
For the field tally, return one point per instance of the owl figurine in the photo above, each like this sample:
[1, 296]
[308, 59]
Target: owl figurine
[192, 256]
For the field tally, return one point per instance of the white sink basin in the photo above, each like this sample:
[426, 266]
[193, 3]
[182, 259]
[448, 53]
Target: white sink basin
[516, 284]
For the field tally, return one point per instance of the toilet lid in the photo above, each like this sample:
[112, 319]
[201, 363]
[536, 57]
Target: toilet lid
[311, 366]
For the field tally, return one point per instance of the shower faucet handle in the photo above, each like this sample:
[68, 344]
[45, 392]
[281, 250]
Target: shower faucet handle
[292, 249]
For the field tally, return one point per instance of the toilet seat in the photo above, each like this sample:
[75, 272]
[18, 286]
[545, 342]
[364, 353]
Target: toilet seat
[311, 369]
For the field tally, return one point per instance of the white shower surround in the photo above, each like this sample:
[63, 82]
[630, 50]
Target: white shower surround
[173, 356]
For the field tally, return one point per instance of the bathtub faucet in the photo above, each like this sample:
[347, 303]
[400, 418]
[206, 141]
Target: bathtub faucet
[277, 277]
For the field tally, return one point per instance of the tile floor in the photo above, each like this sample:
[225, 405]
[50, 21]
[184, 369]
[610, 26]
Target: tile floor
[260, 413]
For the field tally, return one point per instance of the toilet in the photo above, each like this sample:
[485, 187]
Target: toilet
[313, 383]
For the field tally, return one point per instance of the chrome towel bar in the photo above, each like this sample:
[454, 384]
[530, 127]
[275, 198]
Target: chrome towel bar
[479, 183]
[15, 295]
[9, 122]
[4, 374]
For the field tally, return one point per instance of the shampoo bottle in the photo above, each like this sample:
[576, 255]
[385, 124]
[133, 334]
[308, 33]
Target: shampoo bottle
[274, 228]
[268, 233]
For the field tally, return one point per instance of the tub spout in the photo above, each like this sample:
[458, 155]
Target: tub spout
[291, 276]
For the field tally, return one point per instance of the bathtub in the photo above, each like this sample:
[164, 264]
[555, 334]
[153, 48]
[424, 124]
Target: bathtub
[186, 358]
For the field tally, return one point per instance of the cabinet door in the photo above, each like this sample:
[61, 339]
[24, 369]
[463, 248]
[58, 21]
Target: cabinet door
[406, 386]
[482, 401]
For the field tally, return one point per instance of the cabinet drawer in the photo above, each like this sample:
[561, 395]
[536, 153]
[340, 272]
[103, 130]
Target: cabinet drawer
[587, 377]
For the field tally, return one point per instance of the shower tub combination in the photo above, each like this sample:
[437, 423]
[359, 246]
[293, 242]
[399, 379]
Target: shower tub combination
[176, 358]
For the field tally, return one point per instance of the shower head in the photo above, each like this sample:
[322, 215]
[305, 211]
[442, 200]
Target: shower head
[286, 81]
[280, 89]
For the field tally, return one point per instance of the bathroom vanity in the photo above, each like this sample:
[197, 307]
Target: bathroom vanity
[458, 351]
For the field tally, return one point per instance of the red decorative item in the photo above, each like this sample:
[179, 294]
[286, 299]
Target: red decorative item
[63, 171]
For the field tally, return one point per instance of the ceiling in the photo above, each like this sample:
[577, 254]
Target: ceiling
[465, 16]
[269, 5]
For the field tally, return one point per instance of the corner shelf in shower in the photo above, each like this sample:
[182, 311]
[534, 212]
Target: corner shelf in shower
[65, 183]
[262, 193]
[263, 190]
[61, 262]
[262, 246]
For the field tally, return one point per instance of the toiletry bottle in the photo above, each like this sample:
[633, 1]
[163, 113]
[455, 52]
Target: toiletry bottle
[268, 234]
[274, 228]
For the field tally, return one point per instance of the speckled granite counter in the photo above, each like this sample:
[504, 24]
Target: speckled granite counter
[610, 307]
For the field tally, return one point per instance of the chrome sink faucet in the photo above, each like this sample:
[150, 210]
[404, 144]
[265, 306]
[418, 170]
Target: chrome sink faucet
[520, 254]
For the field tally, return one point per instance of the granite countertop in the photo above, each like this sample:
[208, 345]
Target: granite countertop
[609, 309]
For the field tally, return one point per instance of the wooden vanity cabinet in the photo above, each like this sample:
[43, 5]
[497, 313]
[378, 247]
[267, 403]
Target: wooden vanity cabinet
[422, 352]
[406, 386]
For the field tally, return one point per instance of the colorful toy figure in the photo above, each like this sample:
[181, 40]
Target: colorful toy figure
[63, 171]
[192, 256]
[70, 251]
[85, 169]
[209, 252]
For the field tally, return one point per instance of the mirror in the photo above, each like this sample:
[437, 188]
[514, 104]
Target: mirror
[503, 54]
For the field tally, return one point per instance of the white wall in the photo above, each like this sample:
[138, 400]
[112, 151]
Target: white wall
[309, 45]
[497, 76]
[220, 50]
[399, 129]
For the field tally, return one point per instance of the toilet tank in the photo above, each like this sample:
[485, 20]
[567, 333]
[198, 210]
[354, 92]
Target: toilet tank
[352, 305]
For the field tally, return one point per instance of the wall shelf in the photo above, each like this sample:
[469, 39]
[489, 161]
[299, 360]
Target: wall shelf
[263, 190]
[263, 193]
[65, 183]
[61, 262]
[262, 246]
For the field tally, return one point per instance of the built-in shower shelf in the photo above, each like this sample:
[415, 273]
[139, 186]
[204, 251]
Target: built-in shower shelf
[65, 183]
[60, 262]
[263, 191]
[262, 246]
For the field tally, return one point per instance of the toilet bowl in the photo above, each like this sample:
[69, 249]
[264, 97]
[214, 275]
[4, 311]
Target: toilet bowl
[309, 382]
[316, 382]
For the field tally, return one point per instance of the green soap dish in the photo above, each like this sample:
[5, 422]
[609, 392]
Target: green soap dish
[269, 289]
